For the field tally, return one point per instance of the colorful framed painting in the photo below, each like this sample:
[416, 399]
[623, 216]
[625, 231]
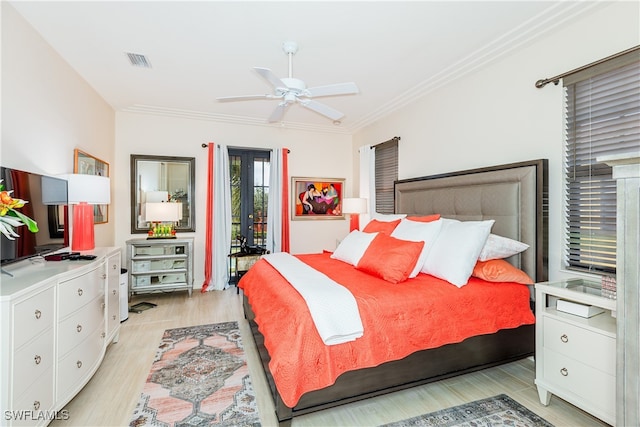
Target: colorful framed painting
[317, 198]
[86, 164]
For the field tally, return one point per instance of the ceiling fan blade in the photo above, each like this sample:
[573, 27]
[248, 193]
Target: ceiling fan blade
[278, 113]
[245, 97]
[323, 109]
[268, 75]
[335, 89]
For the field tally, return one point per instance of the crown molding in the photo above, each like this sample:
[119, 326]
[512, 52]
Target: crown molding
[534, 28]
[226, 118]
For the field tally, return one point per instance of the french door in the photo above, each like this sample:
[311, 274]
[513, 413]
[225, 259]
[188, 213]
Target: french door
[249, 171]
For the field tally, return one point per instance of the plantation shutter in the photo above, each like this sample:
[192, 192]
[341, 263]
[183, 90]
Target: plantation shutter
[602, 118]
[386, 174]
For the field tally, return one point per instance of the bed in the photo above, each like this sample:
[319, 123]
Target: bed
[515, 197]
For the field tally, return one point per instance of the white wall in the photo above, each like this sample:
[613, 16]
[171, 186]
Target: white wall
[312, 154]
[48, 110]
[496, 115]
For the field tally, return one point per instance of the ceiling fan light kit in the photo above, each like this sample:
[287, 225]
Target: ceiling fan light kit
[290, 90]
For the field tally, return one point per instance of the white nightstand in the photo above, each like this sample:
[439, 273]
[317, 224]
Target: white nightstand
[576, 356]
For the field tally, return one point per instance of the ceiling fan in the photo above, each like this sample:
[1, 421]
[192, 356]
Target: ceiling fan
[290, 90]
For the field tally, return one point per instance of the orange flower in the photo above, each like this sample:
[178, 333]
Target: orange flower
[7, 202]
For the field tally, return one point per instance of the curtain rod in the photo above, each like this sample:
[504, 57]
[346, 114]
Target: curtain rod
[394, 139]
[543, 82]
[206, 145]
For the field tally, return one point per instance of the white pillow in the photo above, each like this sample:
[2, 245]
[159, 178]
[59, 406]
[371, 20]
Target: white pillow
[352, 247]
[499, 247]
[455, 251]
[387, 217]
[415, 231]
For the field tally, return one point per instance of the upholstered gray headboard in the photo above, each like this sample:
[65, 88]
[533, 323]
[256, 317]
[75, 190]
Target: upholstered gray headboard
[514, 195]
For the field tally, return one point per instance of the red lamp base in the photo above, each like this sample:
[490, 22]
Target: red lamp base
[83, 236]
[354, 223]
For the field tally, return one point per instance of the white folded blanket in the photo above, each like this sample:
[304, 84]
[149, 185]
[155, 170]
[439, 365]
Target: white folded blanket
[333, 308]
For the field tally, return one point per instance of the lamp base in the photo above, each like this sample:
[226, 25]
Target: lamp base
[83, 236]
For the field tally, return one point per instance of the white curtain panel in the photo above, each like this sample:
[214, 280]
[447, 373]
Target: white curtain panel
[367, 181]
[221, 218]
[274, 207]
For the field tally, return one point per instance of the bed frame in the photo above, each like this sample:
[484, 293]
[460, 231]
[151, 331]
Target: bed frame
[516, 197]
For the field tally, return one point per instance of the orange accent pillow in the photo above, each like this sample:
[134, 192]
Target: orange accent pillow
[426, 218]
[384, 227]
[499, 270]
[389, 258]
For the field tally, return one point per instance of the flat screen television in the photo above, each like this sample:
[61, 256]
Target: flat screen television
[47, 197]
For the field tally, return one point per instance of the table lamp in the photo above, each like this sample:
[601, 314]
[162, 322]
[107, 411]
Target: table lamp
[162, 218]
[354, 207]
[84, 191]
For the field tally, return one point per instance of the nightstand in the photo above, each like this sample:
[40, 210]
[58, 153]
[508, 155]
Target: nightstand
[575, 355]
[243, 263]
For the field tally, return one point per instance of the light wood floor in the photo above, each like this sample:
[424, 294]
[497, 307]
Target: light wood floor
[110, 397]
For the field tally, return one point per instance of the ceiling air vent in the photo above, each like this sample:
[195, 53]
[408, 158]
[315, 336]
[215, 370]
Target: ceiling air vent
[138, 60]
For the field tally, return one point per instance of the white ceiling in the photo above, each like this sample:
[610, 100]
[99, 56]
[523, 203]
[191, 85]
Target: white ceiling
[394, 51]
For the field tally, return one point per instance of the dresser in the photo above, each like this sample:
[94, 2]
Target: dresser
[55, 331]
[575, 355]
[160, 265]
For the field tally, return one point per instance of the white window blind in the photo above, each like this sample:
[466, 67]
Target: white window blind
[602, 117]
[386, 174]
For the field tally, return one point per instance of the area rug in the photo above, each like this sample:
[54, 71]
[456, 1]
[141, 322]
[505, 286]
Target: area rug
[494, 411]
[199, 378]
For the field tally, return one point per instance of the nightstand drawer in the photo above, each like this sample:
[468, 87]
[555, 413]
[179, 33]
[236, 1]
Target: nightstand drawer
[593, 349]
[594, 386]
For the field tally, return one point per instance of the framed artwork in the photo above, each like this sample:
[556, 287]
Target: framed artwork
[86, 164]
[317, 198]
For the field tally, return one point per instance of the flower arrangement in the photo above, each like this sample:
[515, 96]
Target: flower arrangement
[10, 217]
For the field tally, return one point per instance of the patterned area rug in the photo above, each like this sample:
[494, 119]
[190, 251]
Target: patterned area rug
[199, 378]
[495, 411]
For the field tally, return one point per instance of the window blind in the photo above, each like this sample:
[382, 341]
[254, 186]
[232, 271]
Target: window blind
[602, 118]
[385, 175]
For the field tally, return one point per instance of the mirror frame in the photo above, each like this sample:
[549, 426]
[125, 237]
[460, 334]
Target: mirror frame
[191, 161]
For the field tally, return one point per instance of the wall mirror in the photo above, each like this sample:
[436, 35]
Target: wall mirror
[157, 179]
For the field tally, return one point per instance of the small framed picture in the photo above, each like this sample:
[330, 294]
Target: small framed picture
[317, 198]
[86, 164]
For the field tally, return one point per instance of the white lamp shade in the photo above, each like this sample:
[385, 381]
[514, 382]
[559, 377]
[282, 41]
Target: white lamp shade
[354, 205]
[156, 196]
[91, 189]
[163, 212]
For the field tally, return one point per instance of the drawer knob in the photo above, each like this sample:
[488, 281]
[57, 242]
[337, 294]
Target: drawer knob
[36, 405]
[113, 317]
[564, 372]
[37, 359]
[103, 335]
[564, 338]
[114, 292]
[80, 291]
[79, 328]
[104, 275]
[79, 364]
[38, 314]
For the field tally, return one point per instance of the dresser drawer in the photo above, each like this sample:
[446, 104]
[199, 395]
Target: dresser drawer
[82, 324]
[33, 316]
[75, 293]
[589, 347]
[79, 363]
[32, 361]
[592, 385]
[37, 398]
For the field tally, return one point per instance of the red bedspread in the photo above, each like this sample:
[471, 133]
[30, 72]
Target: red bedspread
[421, 313]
